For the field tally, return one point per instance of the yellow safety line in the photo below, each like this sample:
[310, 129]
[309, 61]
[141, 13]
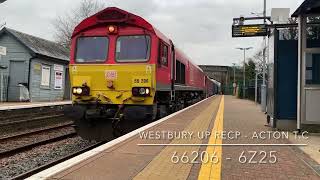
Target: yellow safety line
[162, 167]
[212, 170]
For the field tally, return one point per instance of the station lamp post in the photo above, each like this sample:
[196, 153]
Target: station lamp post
[244, 68]
[263, 93]
[264, 86]
[234, 79]
[234, 72]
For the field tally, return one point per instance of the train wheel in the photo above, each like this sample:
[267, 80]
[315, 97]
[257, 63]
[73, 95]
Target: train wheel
[130, 118]
[89, 129]
[126, 125]
[94, 129]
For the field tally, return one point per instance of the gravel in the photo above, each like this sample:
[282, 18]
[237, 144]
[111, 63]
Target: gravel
[26, 161]
[33, 138]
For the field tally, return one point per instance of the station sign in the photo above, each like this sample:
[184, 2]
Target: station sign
[250, 30]
[58, 67]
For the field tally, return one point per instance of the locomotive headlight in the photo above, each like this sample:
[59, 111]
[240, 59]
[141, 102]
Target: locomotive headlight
[147, 91]
[79, 90]
[74, 90]
[142, 91]
[111, 29]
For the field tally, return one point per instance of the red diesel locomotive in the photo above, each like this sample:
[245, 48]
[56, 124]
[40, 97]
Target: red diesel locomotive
[125, 72]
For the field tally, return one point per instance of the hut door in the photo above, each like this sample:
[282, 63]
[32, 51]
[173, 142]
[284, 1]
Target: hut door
[17, 76]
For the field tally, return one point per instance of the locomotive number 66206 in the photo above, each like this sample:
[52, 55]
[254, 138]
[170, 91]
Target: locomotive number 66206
[141, 80]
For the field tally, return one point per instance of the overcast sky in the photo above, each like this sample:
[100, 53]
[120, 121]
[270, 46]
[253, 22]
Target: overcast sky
[201, 28]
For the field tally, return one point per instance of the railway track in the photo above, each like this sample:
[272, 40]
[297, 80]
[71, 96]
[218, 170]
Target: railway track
[52, 163]
[40, 118]
[34, 131]
[21, 120]
[13, 128]
[21, 142]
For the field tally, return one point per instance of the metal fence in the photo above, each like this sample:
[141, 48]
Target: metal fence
[250, 89]
[4, 82]
[227, 89]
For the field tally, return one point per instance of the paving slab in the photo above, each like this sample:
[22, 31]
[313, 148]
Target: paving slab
[245, 116]
[24, 105]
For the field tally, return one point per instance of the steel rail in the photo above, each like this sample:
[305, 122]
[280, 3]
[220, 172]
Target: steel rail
[33, 132]
[30, 120]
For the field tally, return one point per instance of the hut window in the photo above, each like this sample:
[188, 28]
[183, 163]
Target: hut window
[313, 69]
[45, 76]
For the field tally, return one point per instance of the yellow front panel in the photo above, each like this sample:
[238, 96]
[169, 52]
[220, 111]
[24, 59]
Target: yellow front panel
[122, 76]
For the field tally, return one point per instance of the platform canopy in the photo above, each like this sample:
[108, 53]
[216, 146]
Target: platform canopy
[308, 7]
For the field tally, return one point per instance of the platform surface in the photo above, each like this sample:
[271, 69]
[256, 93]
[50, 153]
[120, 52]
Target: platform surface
[24, 105]
[137, 157]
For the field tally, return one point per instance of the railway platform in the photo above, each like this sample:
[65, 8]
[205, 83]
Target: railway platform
[219, 138]
[27, 105]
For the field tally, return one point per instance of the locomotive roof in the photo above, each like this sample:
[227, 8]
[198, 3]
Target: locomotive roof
[114, 15]
[183, 57]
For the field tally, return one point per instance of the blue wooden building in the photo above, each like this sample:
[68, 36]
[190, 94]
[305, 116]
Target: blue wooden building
[33, 69]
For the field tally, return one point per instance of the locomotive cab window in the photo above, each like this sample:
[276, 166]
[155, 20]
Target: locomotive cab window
[133, 48]
[92, 49]
[163, 54]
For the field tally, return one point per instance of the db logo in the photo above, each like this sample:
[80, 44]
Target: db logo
[111, 75]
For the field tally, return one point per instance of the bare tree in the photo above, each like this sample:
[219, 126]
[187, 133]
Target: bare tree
[258, 59]
[290, 33]
[313, 31]
[65, 24]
